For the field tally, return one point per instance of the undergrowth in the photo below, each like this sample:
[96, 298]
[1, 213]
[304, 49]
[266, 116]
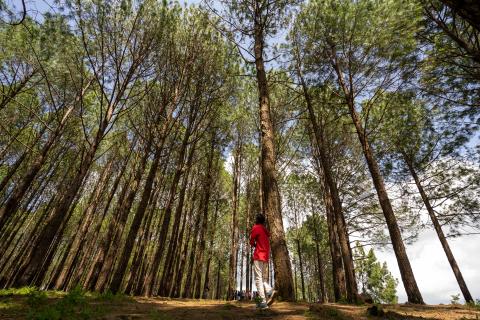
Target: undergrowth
[55, 305]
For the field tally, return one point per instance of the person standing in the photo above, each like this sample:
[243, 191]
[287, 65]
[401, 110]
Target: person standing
[259, 238]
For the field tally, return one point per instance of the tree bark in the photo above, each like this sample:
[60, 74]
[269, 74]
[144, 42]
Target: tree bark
[271, 195]
[406, 272]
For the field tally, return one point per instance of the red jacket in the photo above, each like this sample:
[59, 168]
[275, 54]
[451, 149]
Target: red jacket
[259, 239]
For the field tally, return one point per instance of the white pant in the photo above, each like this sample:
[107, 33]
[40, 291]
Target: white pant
[261, 276]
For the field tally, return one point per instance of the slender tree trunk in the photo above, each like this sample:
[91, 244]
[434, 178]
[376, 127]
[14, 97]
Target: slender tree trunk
[206, 284]
[97, 261]
[42, 251]
[406, 272]
[232, 266]
[241, 266]
[217, 289]
[338, 274]
[319, 265]
[318, 130]
[300, 261]
[441, 235]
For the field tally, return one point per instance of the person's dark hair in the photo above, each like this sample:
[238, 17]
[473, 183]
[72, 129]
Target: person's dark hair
[260, 219]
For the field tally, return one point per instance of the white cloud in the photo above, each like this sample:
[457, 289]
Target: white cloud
[432, 271]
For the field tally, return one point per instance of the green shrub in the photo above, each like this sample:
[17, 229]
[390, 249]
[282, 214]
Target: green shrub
[24, 291]
[37, 298]
[455, 298]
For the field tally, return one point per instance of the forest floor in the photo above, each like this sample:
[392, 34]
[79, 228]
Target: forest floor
[77, 305]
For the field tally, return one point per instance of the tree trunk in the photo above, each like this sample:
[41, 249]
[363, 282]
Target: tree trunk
[408, 278]
[95, 265]
[232, 265]
[300, 261]
[441, 235]
[339, 285]
[206, 284]
[151, 279]
[42, 252]
[271, 195]
[319, 265]
[217, 289]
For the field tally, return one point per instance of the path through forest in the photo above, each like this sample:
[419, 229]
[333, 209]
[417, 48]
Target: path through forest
[78, 305]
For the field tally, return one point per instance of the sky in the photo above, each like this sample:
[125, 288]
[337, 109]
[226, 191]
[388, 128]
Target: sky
[429, 263]
[431, 268]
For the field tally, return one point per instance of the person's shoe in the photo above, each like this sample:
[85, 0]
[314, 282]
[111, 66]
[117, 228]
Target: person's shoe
[272, 298]
[262, 306]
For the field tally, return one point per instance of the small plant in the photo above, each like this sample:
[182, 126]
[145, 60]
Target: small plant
[110, 296]
[474, 305]
[455, 298]
[75, 296]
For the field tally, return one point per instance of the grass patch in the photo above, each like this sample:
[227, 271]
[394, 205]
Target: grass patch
[24, 291]
[474, 305]
[73, 306]
[10, 305]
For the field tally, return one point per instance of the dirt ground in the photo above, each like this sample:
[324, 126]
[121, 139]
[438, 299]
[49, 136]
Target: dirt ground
[166, 309]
